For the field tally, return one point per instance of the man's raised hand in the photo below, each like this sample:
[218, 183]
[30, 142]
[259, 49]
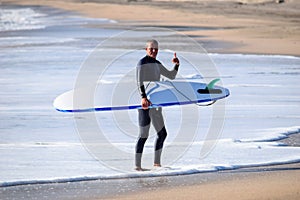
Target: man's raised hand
[175, 59]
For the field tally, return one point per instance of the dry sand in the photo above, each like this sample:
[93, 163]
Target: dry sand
[267, 28]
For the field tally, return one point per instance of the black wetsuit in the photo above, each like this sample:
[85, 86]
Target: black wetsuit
[150, 69]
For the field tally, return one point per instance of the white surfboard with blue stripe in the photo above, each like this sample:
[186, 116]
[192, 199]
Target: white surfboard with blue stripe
[124, 96]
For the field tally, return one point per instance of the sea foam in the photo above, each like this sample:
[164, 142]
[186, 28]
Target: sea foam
[20, 19]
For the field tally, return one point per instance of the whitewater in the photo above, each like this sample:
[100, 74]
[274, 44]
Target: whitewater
[41, 55]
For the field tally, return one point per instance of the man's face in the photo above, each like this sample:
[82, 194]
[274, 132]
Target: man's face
[152, 50]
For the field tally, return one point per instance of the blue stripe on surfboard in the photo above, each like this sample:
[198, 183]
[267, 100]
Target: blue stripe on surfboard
[140, 107]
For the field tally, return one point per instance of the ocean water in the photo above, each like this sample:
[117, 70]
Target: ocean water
[42, 54]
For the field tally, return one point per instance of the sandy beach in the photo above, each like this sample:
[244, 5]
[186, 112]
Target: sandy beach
[278, 182]
[239, 27]
[266, 27]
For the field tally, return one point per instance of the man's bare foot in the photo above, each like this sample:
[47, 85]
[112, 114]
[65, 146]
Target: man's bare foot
[138, 169]
[141, 169]
[157, 165]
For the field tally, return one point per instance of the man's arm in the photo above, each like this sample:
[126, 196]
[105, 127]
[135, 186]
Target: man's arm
[170, 74]
[140, 80]
[142, 91]
[140, 84]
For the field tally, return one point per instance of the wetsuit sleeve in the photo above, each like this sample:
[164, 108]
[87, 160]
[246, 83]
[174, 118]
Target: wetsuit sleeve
[171, 74]
[176, 67]
[142, 91]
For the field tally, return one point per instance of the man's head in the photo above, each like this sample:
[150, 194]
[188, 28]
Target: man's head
[152, 48]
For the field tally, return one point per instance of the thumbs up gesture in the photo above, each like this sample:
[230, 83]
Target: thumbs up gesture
[175, 59]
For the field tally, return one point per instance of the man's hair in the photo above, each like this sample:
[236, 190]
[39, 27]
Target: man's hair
[151, 41]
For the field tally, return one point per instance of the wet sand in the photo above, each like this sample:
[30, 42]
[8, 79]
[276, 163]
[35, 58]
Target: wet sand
[276, 182]
[269, 182]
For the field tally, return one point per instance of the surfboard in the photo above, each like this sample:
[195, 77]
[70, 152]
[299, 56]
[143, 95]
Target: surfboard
[124, 96]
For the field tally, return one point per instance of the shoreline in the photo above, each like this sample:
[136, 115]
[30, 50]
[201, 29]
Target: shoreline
[264, 182]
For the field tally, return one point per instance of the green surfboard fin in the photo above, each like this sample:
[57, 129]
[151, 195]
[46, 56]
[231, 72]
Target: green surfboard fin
[209, 89]
[211, 84]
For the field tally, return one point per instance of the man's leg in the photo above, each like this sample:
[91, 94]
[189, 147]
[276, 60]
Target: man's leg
[161, 136]
[158, 123]
[144, 126]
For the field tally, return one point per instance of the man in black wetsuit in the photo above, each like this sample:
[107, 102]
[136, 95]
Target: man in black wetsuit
[149, 69]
